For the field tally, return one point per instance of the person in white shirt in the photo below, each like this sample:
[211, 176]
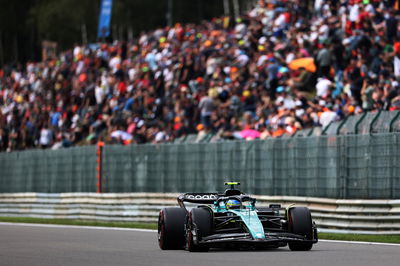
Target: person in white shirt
[46, 137]
[354, 13]
[323, 87]
[327, 117]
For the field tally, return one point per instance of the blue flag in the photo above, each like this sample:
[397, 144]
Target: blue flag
[104, 19]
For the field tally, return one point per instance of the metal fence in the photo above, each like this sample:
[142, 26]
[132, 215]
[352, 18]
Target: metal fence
[353, 166]
[366, 123]
[66, 170]
[335, 166]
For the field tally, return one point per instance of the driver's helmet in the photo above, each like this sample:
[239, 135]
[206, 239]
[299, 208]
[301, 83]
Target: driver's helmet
[233, 204]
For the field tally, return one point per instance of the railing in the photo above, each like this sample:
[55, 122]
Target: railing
[330, 215]
[366, 123]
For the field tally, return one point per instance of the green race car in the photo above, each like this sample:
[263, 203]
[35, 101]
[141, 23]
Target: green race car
[231, 220]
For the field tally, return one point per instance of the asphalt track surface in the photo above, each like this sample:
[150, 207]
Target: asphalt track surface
[64, 245]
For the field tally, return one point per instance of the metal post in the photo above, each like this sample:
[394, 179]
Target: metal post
[345, 166]
[84, 34]
[169, 15]
[311, 132]
[129, 27]
[342, 166]
[16, 56]
[341, 125]
[121, 33]
[99, 168]
[236, 8]
[115, 32]
[273, 185]
[326, 128]
[372, 124]
[130, 33]
[393, 165]
[359, 122]
[1, 49]
[249, 5]
[200, 10]
[226, 8]
[393, 121]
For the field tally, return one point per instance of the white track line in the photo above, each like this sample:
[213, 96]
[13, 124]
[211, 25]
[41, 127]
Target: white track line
[79, 227]
[154, 231]
[358, 242]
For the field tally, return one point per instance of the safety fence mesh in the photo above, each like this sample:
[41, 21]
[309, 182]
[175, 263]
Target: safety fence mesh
[352, 166]
[344, 166]
[366, 123]
[48, 171]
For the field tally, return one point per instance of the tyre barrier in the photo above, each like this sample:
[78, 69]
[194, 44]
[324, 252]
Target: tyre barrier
[330, 215]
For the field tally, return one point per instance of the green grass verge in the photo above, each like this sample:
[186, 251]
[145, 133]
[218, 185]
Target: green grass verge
[347, 237]
[357, 237]
[77, 222]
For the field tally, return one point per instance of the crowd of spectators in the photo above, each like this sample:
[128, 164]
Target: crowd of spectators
[229, 76]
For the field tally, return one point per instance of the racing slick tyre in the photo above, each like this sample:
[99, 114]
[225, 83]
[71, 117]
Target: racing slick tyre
[171, 228]
[199, 220]
[300, 223]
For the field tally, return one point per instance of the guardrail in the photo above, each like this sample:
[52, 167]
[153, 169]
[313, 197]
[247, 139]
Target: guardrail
[331, 215]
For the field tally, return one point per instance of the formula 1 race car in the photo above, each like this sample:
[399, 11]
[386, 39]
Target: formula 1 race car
[231, 220]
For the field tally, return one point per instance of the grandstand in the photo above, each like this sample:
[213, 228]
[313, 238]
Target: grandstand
[286, 68]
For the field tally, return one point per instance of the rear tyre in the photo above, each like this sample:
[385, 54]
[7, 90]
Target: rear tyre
[171, 228]
[199, 220]
[300, 223]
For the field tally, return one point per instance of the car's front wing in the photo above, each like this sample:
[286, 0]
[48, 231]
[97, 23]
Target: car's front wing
[271, 239]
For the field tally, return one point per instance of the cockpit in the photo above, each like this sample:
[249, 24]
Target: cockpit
[236, 202]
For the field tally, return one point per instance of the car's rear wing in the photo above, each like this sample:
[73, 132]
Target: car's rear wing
[201, 198]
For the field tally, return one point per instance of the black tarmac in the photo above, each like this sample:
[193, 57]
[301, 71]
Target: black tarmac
[36, 245]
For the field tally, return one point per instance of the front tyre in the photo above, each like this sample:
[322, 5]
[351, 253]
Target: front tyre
[171, 228]
[300, 223]
[199, 224]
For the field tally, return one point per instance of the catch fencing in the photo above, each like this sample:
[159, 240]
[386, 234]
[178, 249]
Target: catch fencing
[48, 171]
[346, 166]
[353, 166]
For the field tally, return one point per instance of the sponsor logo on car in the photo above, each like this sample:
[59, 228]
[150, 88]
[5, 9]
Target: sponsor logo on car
[201, 197]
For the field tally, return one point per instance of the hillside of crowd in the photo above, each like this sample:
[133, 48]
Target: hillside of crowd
[282, 67]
